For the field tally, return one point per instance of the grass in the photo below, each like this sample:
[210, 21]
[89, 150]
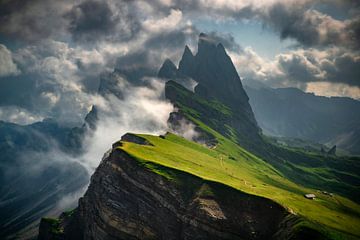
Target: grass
[232, 165]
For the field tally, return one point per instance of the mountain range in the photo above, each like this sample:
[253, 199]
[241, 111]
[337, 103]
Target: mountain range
[292, 113]
[226, 180]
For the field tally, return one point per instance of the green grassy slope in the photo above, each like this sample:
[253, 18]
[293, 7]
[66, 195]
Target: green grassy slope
[333, 174]
[230, 164]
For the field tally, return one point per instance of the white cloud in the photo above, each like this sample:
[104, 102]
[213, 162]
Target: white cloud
[18, 115]
[166, 23]
[333, 89]
[7, 65]
[142, 110]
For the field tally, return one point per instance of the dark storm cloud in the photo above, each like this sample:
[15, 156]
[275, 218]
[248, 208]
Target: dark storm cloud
[32, 20]
[353, 29]
[330, 65]
[344, 68]
[311, 27]
[93, 20]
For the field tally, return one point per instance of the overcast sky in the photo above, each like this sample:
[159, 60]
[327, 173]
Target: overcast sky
[52, 53]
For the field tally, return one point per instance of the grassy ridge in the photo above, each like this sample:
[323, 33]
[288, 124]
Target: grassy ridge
[230, 164]
[333, 174]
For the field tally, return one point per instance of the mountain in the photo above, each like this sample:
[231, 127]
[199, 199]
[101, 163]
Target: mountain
[232, 183]
[220, 85]
[32, 177]
[289, 112]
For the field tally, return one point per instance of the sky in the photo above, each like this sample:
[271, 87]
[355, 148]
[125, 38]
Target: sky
[54, 53]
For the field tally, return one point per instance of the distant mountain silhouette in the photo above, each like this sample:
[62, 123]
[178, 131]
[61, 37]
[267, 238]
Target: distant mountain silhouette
[290, 112]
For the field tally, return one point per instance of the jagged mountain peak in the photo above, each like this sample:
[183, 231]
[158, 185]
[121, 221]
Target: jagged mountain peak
[187, 62]
[213, 69]
[187, 52]
[168, 69]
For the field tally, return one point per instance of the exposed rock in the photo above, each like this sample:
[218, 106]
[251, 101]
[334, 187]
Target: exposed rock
[130, 137]
[187, 62]
[332, 151]
[126, 200]
[91, 118]
[168, 70]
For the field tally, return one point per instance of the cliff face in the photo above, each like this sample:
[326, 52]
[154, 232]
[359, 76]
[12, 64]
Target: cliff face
[127, 200]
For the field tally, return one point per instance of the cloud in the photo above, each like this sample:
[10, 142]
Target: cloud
[7, 65]
[311, 27]
[186, 129]
[56, 80]
[33, 20]
[18, 115]
[141, 109]
[94, 20]
[298, 67]
[163, 24]
[333, 89]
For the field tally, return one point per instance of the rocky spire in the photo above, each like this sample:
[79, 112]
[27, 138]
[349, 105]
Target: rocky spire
[187, 63]
[216, 74]
[217, 79]
[168, 70]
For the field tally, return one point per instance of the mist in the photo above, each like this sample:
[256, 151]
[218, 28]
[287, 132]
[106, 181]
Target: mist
[143, 109]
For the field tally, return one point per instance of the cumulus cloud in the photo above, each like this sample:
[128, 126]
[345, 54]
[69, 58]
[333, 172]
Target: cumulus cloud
[58, 75]
[164, 24]
[299, 67]
[18, 115]
[7, 65]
